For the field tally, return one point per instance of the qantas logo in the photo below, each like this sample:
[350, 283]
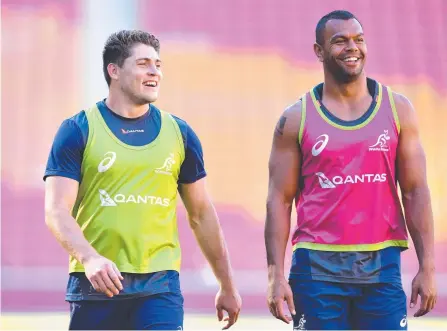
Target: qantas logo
[131, 131]
[108, 201]
[324, 181]
[349, 179]
[105, 198]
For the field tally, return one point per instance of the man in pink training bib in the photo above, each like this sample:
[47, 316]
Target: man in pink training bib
[340, 152]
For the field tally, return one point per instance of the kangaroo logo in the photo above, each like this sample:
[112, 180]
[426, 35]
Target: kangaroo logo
[301, 323]
[166, 168]
[381, 144]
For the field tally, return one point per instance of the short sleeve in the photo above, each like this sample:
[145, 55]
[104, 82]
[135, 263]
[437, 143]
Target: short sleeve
[65, 158]
[193, 166]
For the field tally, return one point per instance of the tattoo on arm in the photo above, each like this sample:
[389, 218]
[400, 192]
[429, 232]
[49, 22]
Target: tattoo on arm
[280, 127]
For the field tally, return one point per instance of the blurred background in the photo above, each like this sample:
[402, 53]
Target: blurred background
[230, 68]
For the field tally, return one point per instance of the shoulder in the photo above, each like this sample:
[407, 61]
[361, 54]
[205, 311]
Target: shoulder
[75, 126]
[79, 119]
[182, 124]
[188, 134]
[288, 125]
[403, 104]
[65, 157]
[405, 110]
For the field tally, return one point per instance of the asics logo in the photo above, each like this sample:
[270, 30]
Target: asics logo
[403, 322]
[320, 144]
[107, 162]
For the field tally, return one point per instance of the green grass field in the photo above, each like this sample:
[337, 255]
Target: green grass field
[59, 321]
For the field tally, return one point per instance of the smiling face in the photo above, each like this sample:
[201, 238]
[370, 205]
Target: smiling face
[140, 75]
[343, 52]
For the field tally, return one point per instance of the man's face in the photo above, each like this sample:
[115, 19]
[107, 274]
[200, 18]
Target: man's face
[344, 50]
[141, 74]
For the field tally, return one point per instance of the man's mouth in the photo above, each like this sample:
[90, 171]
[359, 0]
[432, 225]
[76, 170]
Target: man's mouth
[151, 83]
[351, 59]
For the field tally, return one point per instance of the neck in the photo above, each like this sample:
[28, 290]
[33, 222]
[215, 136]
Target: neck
[123, 106]
[356, 89]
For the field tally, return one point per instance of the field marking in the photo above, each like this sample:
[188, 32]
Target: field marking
[59, 321]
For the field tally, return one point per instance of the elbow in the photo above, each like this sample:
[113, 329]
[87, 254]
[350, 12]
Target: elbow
[202, 216]
[197, 216]
[275, 201]
[52, 214]
[412, 192]
[49, 216]
[194, 221]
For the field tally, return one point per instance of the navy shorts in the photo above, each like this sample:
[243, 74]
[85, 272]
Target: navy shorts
[162, 311]
[322, 305]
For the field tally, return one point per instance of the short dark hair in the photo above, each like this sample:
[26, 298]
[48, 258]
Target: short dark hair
[334, 15]
[119, 45]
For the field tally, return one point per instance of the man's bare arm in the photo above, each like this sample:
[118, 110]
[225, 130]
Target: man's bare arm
[284, 170]
[205, 225]
[412, 177]
[60, 196]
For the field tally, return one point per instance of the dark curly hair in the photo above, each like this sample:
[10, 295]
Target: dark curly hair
[119, 45]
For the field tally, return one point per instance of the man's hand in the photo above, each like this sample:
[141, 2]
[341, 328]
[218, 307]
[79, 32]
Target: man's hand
[103, 275]
[231, 302]
[424, 285]
[278, 292]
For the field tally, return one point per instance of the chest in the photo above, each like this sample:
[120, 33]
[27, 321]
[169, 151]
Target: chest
[371, 143]
[108, 158]
[116, 162]
[349, 112]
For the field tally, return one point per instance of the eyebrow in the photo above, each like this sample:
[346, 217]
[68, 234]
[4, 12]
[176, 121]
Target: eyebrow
[339, 35]
[149, 59]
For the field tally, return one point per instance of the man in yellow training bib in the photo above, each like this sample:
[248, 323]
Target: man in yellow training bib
[111, 190]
